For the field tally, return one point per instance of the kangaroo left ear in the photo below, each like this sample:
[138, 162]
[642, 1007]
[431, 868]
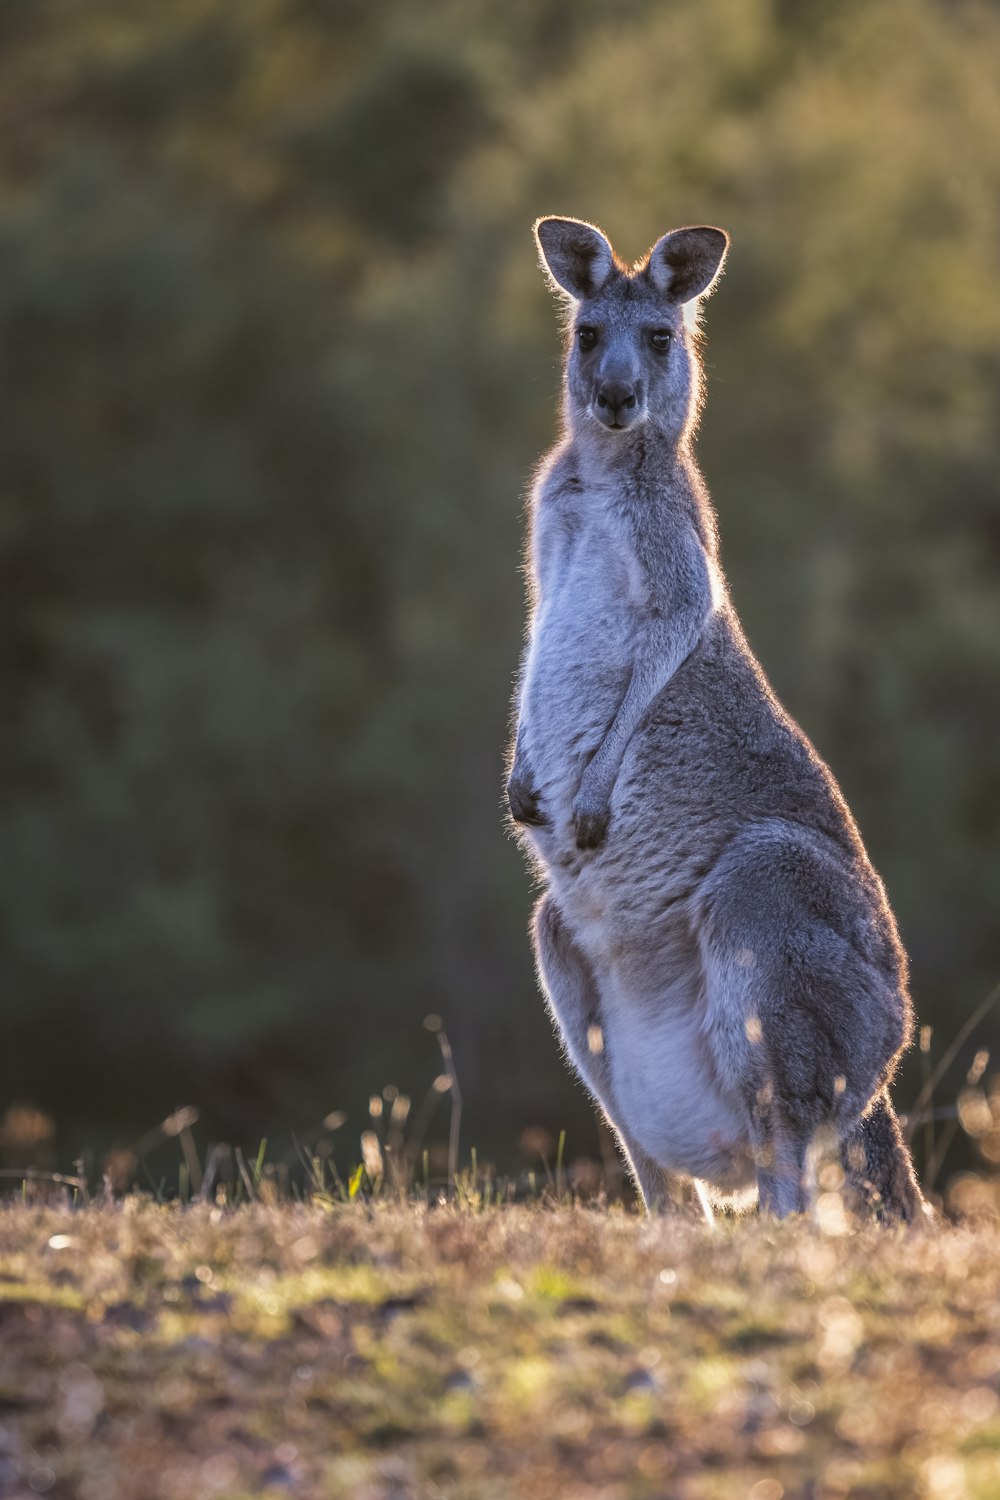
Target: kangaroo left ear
[576, 255]
[687, 262]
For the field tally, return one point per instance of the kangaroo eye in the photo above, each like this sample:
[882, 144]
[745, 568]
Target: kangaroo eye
[586, 338]
[660, 339]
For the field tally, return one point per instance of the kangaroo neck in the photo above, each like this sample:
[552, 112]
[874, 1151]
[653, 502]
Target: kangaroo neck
[642, 462]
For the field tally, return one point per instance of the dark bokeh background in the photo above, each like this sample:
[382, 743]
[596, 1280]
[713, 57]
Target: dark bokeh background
[275, 363]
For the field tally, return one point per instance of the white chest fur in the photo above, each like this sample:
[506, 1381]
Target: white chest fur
[588, 620]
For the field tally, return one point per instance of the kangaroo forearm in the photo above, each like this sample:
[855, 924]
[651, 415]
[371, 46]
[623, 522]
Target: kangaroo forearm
[521, 700]
[519, 760]
[522, 787]
[659, 661]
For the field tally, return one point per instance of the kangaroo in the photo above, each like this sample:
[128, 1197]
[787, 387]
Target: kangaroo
[714, 946]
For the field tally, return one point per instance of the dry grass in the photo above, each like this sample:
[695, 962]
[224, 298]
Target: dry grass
[382, 1351]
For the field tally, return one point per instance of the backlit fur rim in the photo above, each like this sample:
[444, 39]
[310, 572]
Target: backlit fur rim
[691, 310]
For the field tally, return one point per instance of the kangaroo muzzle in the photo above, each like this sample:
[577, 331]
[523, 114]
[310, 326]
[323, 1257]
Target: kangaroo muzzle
[618, 403]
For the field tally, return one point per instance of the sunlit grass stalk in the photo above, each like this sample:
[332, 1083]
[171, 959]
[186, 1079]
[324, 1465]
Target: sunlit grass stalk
[951, 1051]
[245, 1178]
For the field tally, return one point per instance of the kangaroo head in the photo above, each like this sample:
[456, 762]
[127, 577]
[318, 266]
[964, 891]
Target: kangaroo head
[630, 357]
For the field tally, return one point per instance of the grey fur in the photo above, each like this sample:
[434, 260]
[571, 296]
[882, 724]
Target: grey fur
[715, 948]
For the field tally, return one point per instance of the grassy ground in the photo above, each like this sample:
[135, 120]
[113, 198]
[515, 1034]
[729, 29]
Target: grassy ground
[382, 1352]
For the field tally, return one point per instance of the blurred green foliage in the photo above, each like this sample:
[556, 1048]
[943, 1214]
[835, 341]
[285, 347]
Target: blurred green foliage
[275, 362]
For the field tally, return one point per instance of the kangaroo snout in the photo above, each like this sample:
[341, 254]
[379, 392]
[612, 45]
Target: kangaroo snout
[617, 403]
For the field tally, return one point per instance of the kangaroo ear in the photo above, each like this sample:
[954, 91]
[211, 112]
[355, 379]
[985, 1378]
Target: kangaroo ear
[576, 255]
[687, 262]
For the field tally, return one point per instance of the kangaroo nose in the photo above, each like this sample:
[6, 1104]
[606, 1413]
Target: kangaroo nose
[616, 395]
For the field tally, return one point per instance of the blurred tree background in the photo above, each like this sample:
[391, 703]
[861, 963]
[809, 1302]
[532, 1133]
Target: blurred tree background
[275, 363]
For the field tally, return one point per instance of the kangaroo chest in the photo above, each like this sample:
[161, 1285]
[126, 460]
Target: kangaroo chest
[584, 638]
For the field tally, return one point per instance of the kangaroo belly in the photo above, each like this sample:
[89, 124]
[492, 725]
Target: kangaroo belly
[667, 1088]
[670, 1102]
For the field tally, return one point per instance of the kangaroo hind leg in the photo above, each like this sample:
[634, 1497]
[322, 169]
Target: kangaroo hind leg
[807, 1021]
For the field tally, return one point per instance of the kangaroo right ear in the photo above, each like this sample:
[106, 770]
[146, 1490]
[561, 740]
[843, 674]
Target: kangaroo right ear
[576, 255]
[687, 263]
